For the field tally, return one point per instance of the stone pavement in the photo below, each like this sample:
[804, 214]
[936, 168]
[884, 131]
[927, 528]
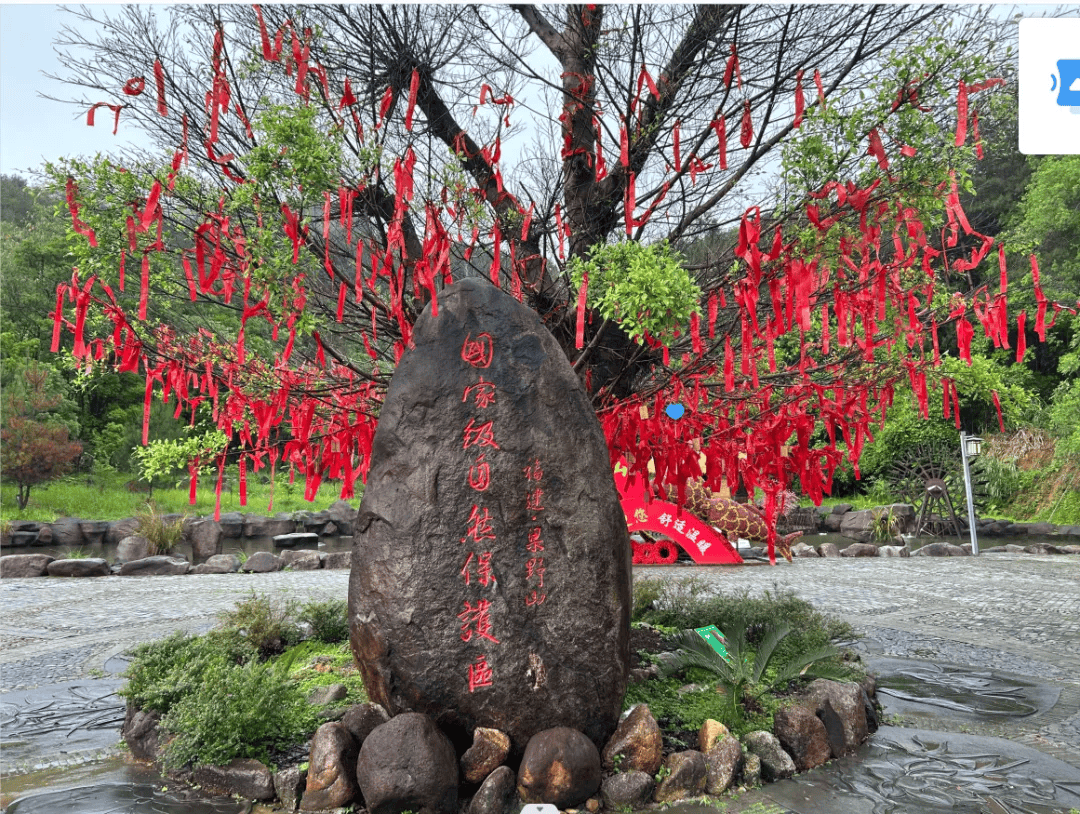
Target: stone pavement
[1014, 613]
[1017, 614]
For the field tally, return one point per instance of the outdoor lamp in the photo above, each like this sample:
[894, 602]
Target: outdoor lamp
[970, 446]
[973, 445]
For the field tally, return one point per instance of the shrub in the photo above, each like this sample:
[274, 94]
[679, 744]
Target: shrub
[329, 620]
[269, 625]
[163, 672]
[746, 674]
[234, 712]
[163, 534]
[692, 603]
[34, 447]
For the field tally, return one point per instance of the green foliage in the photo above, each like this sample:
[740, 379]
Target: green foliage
[750, 673]
[218, 698]
[1064, 410]
[34, 448]
[166, 459]
[883, 526]
[163, 534]
[294, 153]
[268, 624]
[691, 603]
[644, 289]
[685, 710]
[329, 620]
[234, 712]
[164, 671]
[1046, 222]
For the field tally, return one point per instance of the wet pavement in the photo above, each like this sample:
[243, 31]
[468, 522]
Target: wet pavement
[985, 649]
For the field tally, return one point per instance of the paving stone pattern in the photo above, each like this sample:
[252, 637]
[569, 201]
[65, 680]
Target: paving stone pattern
[1018, 613]
[1015, 613]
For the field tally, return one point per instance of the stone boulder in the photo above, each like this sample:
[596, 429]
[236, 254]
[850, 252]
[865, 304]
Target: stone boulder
[894, 551]
[776, 764]
[289, 787]
[132, 547]
[859, 525]
[848, 702]
[302, 559]
[361, 720]
[88, 567]
[337, 559]
[489, 750]
[218, 564]
[21, 566]
[497, 794]
[343, 515]
[255, 525]
[722, 762]
[232, 525]
[157, 566]
[93, 531]
[243, 777]
[803, 550]
[261, 562]
[331, 779]
[831, 522]
[860, 550]
[141, 734]
[119, 529]
[942, 550]
[751, 770]
[328, 694]
[828, 549]
[296, 538]
[561, 767]
[627, 790]
[637, 744]
[802, 734]
[66, 532]
[205, 537]
[686, 776]
[489, 465]
[408, 764]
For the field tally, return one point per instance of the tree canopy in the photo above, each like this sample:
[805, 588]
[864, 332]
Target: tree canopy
[326, 170]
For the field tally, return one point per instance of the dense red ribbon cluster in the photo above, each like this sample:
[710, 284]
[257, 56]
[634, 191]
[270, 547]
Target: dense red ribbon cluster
[744, 423]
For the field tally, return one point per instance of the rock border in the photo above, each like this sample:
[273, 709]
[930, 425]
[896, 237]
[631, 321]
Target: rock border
[358, 759]
[206, 536]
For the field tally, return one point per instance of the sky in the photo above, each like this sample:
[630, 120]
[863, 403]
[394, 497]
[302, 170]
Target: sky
[33, 129]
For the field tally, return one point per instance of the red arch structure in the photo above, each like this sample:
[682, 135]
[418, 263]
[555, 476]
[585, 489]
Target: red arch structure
[704, 545]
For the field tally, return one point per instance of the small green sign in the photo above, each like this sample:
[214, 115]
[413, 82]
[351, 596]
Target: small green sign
[715, 638]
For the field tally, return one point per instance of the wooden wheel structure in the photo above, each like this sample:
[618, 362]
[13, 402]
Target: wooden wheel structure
[930, 476]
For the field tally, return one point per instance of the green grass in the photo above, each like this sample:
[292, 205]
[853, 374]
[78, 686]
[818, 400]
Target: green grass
[106, 497]
[222, 698]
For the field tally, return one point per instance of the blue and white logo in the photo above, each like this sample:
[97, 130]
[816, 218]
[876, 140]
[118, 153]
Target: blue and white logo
[1069, 86]
[1050, 86]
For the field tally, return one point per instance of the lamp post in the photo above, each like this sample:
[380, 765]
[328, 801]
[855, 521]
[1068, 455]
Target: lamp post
[970, 446]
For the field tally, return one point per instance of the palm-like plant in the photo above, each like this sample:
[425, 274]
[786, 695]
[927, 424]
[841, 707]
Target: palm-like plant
[746, 673]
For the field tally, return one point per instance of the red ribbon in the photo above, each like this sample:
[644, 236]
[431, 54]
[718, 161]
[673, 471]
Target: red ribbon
[579, 336]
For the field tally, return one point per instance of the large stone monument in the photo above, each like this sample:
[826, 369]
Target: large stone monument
[490, 578]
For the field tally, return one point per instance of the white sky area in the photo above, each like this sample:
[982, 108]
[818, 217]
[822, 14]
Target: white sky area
[34, 130]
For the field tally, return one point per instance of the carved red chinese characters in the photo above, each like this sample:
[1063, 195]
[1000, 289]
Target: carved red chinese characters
[491, 578]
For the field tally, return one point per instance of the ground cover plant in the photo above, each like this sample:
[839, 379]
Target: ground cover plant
[774, 641]
[241, 689]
